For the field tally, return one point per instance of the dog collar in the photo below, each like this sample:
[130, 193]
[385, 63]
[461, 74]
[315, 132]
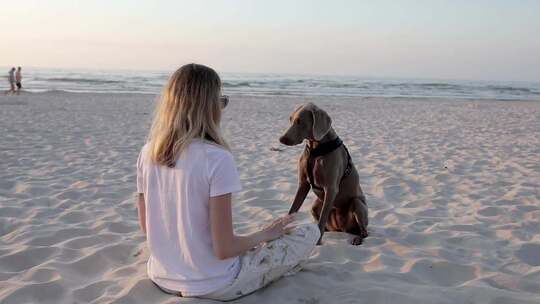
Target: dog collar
[325, 148]
[322, 150]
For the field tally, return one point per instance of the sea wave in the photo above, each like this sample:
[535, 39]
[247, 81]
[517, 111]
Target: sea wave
[236, 85]
[81, 80]
[518, 90]
[280, 85]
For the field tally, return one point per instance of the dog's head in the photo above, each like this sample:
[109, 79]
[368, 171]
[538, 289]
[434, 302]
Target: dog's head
[307, 122]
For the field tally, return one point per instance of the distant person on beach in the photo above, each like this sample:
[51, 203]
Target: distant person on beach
[11, 78]
[18, 79]
[185, 177]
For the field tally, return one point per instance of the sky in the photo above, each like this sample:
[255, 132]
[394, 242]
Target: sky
[459, 39]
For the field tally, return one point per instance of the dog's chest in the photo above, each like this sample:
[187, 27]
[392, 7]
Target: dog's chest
[312, 170]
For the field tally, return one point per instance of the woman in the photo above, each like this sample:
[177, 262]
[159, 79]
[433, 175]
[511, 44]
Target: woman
[18, 79]
[11, 78]
[185, 177]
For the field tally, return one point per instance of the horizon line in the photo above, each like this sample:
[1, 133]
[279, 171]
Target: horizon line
[281, 73]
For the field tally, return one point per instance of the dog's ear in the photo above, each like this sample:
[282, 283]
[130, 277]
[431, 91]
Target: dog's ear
[297, 107]
[321, 122]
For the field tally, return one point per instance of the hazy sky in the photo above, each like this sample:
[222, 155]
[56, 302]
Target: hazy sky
[491, 39]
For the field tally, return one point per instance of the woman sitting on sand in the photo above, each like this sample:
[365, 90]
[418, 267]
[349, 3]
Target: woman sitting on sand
[185, 177]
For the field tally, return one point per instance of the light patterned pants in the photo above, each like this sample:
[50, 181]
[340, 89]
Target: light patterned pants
[269, 262]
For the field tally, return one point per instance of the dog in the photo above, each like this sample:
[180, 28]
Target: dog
[326, 168]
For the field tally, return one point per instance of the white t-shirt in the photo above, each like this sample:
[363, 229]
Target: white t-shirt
[177, 217]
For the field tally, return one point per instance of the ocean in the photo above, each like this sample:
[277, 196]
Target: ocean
[151, 82]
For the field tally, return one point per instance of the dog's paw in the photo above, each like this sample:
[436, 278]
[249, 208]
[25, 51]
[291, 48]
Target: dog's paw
[363, 233]
[357, 240]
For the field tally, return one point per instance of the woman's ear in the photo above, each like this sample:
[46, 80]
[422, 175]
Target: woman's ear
[321, 122]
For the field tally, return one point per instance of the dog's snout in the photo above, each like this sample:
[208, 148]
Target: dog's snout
[284, 140]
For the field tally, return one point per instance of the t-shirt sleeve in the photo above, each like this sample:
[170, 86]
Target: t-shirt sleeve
[223, 175]
[140, 174]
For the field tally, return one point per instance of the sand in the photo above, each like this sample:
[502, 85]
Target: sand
[452, 187]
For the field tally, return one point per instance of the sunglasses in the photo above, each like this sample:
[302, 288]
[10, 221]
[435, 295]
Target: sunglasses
[224, 100]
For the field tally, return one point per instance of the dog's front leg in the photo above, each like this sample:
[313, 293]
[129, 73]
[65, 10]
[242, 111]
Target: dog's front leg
[329, 197]
[300, 197]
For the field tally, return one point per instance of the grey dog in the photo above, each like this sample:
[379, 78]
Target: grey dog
[326, 167]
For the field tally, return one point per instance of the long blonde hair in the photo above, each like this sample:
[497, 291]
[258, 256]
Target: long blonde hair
[189, 108]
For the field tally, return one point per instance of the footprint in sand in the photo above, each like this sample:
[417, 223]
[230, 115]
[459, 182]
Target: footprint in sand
[529, 253]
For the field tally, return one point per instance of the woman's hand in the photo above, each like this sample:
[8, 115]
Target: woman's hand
[278, 227]
[225, 243]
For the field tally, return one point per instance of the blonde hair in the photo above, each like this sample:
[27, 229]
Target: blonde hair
[189, 108]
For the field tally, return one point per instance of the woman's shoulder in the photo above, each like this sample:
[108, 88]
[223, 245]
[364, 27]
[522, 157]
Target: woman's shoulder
[144, 149]
[215, 152]
[215, 149]
[142, 154]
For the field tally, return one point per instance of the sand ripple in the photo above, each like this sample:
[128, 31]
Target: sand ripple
[453, 189]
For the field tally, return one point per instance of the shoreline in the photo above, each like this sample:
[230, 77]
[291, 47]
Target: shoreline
[334, 97]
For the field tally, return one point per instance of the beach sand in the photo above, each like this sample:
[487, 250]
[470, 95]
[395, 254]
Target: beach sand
[452, 187]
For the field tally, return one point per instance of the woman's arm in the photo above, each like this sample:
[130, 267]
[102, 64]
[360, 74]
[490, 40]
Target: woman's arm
[142, 211]
[225, 243]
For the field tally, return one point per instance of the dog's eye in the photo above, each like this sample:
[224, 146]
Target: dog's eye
[296, 121]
